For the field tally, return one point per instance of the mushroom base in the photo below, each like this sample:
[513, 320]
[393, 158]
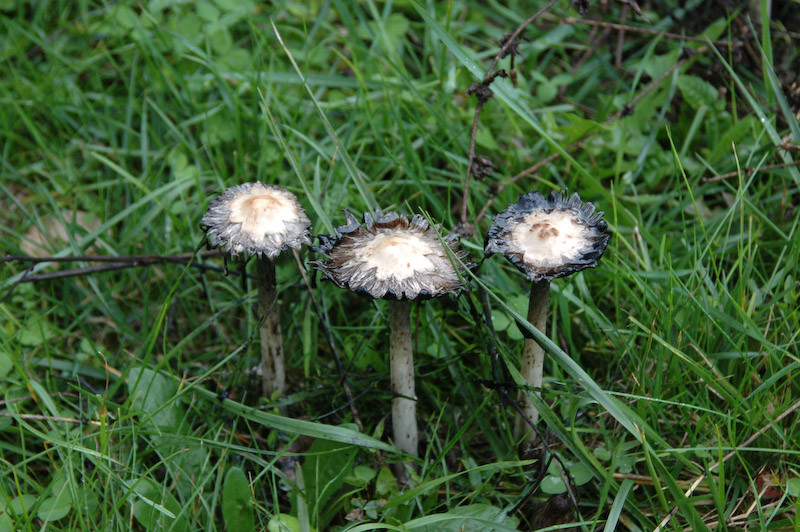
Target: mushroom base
[273, 369]
[404, 404]
[532, 364]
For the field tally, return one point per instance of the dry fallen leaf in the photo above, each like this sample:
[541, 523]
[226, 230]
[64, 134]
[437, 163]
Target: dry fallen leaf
[38, 243]
[356, 514]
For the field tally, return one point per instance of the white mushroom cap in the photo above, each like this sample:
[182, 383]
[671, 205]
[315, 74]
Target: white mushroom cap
[549, 238]
[256, 219]
[390, 257]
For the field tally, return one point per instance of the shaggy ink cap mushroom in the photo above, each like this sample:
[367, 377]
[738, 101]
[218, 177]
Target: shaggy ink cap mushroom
[262, 220]
[256, 219]
[393, 258]
[549, 238]
[390, 257]
[546, 239]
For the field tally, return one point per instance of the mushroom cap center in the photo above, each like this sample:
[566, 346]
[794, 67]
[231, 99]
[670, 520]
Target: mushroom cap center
[549, 239]
[397, 255]
[263, 213]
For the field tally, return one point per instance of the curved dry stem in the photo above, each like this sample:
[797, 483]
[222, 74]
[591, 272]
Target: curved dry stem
[533, 359]
[272, 363]
[404, 404]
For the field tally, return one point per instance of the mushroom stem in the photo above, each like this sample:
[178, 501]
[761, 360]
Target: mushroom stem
[404, 406]
[533, 358]
[272, 364]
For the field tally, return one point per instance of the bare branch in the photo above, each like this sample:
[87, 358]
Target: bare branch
[647, 31]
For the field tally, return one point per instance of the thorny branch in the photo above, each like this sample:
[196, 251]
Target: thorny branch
[509, 46]
[627, 109]
[482, 91]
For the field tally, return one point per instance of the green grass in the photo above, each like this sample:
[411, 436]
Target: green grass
[127, 397]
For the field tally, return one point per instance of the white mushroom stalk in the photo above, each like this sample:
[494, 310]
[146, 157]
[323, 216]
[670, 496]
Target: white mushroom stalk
[398, 260]
[262, 220]
[404, 402]
[546, 239]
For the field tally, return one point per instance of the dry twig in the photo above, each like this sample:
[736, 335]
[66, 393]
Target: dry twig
[116, 263]
[331, 342]
[749, 171]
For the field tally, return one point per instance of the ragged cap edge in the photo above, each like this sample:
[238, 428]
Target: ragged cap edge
[356, 252]
[502, 239]
[228, 234]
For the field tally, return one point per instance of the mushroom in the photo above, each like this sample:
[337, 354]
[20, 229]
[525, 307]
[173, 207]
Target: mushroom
[262, 220]
[546, 239]
[400, 260]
